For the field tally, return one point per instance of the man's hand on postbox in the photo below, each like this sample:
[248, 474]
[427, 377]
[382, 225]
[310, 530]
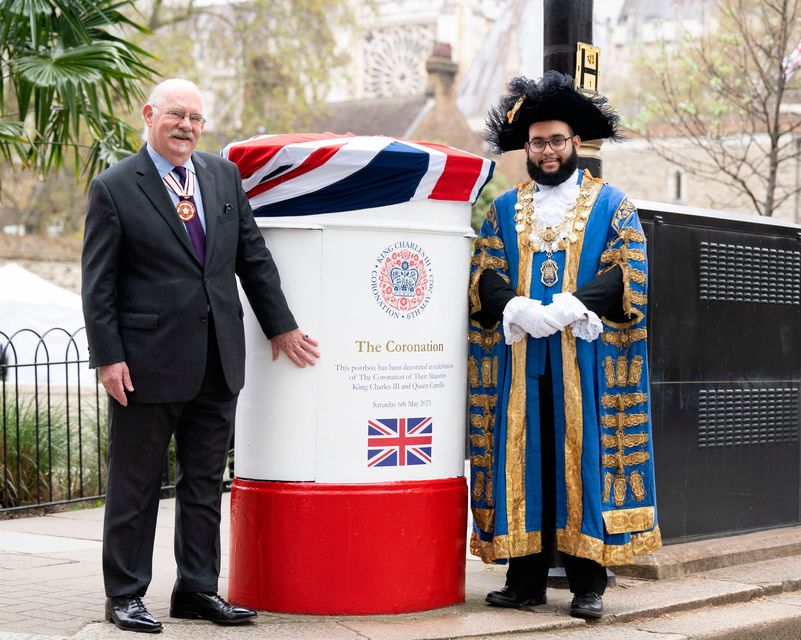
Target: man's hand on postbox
[298, 347]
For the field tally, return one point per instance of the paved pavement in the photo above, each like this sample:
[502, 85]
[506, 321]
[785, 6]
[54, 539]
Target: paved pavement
[51, 587]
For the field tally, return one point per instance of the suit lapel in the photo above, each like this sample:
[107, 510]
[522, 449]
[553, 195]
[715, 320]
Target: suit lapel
[150, 182]
[212, 205]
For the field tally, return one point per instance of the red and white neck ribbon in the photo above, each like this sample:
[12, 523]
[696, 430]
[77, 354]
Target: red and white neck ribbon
[185, 191]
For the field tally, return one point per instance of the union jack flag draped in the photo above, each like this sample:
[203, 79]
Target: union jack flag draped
[308, 173]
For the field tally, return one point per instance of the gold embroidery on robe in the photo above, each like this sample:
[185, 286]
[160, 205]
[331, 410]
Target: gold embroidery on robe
[515, 471]
[478, 486]
[638, 298]
[626, 440]
[624, 254]
[614, 460]
[607, 492]
[483, 440]
[620, 490]
[481, 461]
[623, 420]
[484, 518]
[628, 520]
[579, 544]
[625, 400]
[637, 275]
[490, 242]
[635, 371]
[487, 338]
[472, 371]
[624, 338]
[609, 370]
[486, 370]
[571, 376]
[621, 371]
[502, 547]
[484, 401]
[637, 486]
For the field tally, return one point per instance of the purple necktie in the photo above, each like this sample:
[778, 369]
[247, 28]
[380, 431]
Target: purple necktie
[193, 226]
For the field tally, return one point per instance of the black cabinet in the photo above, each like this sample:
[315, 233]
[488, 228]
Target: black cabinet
[725, 361]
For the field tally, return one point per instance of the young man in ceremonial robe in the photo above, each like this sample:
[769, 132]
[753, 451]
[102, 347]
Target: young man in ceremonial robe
[561, 449]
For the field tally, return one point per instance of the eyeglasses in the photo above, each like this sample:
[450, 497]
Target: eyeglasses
[557, 143]
[195, 119]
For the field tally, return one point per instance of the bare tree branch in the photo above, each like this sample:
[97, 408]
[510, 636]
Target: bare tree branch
[724, 93]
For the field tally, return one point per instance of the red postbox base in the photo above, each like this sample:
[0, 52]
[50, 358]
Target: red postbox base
[301, 547]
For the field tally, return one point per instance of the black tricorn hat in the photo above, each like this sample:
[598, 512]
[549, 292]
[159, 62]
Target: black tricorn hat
[551, 98]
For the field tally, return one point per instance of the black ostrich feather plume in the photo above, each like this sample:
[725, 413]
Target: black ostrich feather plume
[551, 98]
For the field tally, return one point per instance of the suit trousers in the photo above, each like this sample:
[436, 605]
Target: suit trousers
[531, 571]
[139, 436]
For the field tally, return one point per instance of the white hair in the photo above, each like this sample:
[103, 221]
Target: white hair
[158, 92]
[171, 83]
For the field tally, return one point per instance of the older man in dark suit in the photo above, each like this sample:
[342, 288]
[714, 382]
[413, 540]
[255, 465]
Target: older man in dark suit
[167, 230]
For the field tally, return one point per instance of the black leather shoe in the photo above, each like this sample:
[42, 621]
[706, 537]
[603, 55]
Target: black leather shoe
[589, 606]
[514, 598]
[129, 614]
[207, 606]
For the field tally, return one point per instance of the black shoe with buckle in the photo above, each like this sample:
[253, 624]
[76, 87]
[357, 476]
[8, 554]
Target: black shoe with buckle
[588, 606]
[207, 606]
[515, 597]
[130, 614]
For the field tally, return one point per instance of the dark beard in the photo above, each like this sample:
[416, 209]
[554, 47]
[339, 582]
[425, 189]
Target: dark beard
[565, 170]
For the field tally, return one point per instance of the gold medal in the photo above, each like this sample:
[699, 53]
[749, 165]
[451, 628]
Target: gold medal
[186, 210]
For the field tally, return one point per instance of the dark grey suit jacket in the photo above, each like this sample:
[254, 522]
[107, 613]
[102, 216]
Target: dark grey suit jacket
[146, 298]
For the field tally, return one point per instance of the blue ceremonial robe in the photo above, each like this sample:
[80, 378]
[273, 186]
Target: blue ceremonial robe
[605, 495]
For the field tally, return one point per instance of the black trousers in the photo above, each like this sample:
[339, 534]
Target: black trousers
[139, 436]
[531, 571]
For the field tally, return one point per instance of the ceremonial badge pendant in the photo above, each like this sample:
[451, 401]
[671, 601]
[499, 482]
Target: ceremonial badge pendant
[549, 271]
[186, 210]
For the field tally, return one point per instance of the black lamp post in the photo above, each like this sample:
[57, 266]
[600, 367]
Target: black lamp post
[566, 23]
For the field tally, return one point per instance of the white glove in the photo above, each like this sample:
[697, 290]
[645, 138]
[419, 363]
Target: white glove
[530, 316]
[569, 310]
[512, 333]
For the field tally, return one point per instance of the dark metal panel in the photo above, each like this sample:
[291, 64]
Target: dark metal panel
[725, 305]
[735, 473]
[725, 358]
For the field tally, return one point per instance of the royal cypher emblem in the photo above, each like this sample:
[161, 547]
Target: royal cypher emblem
[401, 280]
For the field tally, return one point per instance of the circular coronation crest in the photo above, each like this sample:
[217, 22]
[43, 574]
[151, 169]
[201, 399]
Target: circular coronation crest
[402, 281]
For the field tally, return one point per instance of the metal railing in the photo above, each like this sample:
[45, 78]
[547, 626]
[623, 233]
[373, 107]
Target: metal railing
[54, 418]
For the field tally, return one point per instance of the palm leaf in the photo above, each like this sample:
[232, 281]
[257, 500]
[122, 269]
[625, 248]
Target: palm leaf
[67, 66]
[85, 64]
